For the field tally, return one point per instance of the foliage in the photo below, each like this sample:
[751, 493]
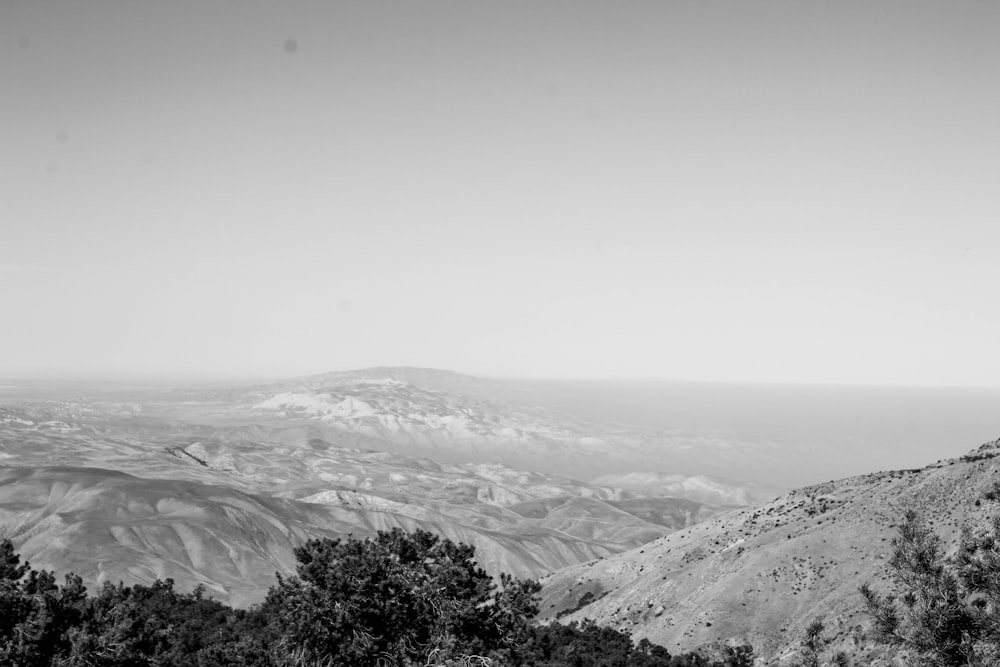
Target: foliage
[949, 613]
[584, 600]
[35, 613]
[396, 599]
[590, 645]
[814, 643]
[993, 492]
[156, 625]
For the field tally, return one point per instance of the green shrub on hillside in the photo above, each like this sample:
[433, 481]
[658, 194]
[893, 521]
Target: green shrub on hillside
[949, 612]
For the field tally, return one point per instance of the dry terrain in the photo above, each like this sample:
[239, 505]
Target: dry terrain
[217, 485]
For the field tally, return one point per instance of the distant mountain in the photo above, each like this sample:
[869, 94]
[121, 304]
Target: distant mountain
[432, 379]
[442, 415]
[760, 575]
[448, 416]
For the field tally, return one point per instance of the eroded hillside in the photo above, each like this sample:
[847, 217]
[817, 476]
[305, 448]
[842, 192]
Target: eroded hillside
[140, 487]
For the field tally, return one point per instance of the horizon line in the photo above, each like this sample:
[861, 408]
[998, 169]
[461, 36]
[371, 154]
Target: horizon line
[13, 381]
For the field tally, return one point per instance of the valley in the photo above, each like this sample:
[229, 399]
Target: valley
[217, 485]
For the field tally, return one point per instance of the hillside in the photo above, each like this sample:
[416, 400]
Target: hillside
[110, 526]
[760, 575]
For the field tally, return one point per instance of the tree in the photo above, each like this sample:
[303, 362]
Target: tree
[395, 598]
[587, 644]
[949, 613]
[135, 626]
[11, 568]
[35, 613]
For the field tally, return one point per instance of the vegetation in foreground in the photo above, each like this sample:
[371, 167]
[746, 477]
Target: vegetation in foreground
[414, 599]
[949, 611]
[395, 599]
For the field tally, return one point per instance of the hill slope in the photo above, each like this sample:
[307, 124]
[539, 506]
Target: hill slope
[110, 526]
[760, 575]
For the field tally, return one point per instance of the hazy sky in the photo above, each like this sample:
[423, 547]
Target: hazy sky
[760, 191]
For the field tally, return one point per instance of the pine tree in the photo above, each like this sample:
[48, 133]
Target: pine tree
[949, 612]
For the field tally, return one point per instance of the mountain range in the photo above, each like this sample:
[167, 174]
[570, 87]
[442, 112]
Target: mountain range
[216, 485]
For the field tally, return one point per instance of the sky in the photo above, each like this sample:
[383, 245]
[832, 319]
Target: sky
[722, 191]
